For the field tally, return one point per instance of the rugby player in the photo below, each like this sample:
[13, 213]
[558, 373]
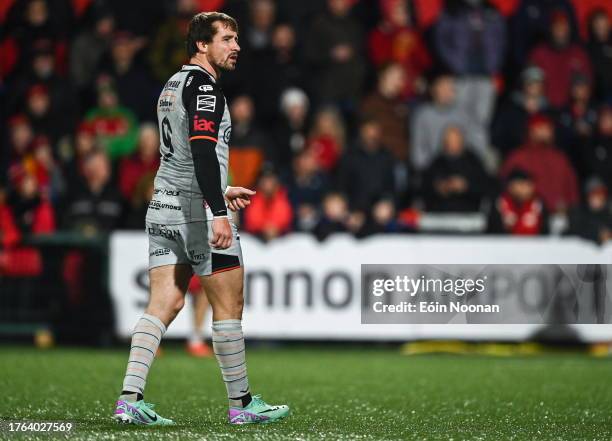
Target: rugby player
[189, 229]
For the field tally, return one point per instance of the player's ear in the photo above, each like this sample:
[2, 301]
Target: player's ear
[202, 46]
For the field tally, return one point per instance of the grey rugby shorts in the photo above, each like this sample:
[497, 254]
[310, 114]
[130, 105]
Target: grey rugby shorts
[189, 244]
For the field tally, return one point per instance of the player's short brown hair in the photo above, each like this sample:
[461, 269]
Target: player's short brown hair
[201, 28]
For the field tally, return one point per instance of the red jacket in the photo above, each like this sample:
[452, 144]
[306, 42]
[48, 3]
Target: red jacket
[265, 212]
[521, 219]
[554, 176]
[9, 234]
[326, 151]
[559, 66]
[18, 261]
[131, 170]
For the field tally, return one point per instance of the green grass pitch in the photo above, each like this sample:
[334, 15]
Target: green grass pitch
[334, 393]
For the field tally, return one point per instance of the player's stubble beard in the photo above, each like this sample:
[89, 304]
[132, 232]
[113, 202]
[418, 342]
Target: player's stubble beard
[227, 64]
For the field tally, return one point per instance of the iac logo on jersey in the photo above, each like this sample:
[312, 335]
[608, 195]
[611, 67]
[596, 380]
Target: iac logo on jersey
[203, 125]
[206, 103]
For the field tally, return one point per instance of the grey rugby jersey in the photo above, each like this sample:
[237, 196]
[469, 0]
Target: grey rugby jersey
[191, 107]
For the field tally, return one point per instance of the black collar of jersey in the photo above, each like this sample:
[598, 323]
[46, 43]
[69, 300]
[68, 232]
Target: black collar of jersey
[201, 68]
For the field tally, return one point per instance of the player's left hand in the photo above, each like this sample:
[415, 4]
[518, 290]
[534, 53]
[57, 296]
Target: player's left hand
[238, 197]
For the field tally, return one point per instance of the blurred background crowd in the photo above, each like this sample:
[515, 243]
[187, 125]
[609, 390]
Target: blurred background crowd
[357, 116]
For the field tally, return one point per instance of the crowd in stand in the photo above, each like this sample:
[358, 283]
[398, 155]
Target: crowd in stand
[348, 115]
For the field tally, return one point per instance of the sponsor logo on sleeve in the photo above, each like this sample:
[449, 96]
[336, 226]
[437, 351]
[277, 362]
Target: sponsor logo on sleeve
[171, 85]
[206, 103]
[205, 88]
[166, 102]
[189, 80]
[227, 135]
[203, 125]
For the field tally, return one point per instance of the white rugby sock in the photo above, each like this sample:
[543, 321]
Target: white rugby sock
[145, 341]
[228, 344]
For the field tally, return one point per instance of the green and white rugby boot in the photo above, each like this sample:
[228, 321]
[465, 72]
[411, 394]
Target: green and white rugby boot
[139, 412]
[257, 411]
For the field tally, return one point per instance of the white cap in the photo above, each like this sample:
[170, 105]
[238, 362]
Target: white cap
[292, 97]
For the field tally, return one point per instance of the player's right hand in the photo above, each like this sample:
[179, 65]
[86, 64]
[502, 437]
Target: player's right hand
[222, 233]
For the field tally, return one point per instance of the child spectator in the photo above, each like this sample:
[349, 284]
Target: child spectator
[518, 211]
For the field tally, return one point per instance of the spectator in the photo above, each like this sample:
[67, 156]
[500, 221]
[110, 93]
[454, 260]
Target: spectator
[382, 219]
[29, 23]
[40, 114]
[600, 51]
[366, 171]
[139, 202]
[258, 33]
[250, 146]
[84, 144]
[20, 140]
[144, 161]
[26, 212]
[35, 156]
[167, 52]
[519, 211]
[291, 131]
[97, 206]
[431, 119]
[9, 233]
[560, 59]
[306, 184]
[530, 25]
[470, 38]
[456, 180]
[269, 215]
[396, 40]
[335, 216]
[31, 210]
[510, 124]
[387, 108]
[44, 166]
[592, 220]
[596, 157]
[42, 71]
[552, 173]
[577, 121]
[88, 49]
[115, 126]
[335, 53]
[134, 85]
[326, 139]
[275, 70]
